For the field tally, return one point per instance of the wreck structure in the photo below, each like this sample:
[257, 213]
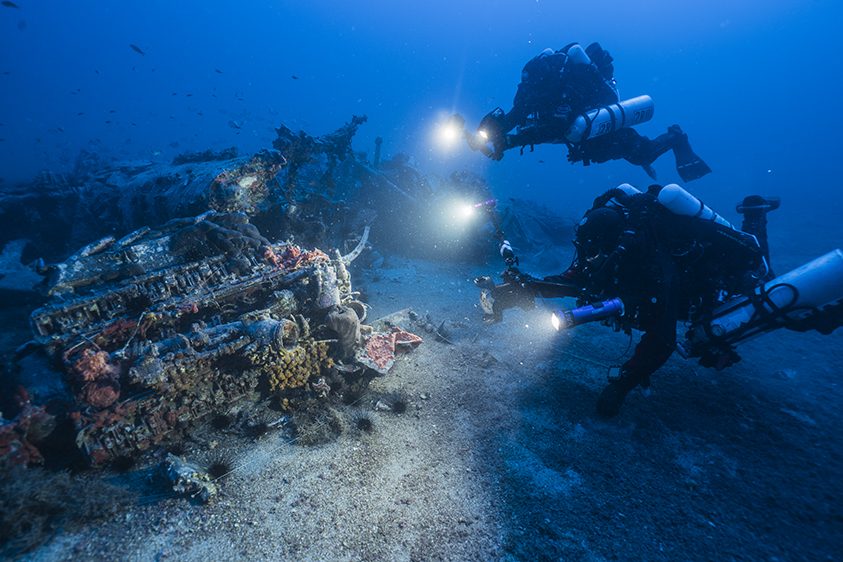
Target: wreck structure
[155, 329]
[164, 326]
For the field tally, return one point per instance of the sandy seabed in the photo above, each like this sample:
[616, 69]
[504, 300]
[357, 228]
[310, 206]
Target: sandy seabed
[499, 455]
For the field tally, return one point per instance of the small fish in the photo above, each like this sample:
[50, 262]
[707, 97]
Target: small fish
[112, 111]
[235, 124]
[22, 25]
[188, 95]
[80, 113]
[200, 114]
[96, 71]
[133, 124]
[10, 4]
[137, 49]
[218, 71]
[294, 77]
[174, 94]
[108, 122]
[60, 129]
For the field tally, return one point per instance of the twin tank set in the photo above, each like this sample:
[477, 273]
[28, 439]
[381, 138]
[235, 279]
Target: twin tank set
[792, 299]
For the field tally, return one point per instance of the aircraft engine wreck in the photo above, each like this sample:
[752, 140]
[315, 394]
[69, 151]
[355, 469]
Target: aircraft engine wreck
[149, 332]
[158, 329]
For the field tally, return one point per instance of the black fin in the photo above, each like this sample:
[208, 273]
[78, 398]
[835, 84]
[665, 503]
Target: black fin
[688, 164]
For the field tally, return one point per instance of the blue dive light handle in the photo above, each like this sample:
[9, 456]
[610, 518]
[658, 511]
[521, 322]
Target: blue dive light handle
[593, 312]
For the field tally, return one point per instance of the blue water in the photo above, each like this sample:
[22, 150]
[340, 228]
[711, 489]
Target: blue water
[754, 83]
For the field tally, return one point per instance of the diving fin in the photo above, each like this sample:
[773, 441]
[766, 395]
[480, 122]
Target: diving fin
[650, 171]
[688, 164]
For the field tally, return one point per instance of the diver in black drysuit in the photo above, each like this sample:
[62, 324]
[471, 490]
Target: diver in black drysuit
[664, 267]
[558, 86]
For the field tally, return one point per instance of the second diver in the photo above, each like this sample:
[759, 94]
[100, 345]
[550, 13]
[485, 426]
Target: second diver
[557, 88]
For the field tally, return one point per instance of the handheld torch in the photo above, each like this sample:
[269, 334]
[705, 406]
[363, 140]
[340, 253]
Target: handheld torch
[594, 312]
[455, 127]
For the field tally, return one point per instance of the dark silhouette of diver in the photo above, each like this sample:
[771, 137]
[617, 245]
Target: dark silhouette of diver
[559, 86]
[666, 268]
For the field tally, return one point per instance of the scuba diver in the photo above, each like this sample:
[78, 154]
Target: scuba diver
[646, 261]
[569, 96]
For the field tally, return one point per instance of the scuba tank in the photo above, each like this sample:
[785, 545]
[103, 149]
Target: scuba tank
[610, 118]
[740, 250]
[793, 300]
[577, 55]
[615, 198]
[628, 188]
[680, 202]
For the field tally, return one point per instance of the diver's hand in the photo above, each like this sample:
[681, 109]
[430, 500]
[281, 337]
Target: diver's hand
[515, 291]
[491, 143]
[490, 149]
[519, 281]
[492, 130]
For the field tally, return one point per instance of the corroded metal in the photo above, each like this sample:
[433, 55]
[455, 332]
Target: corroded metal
[166, 325]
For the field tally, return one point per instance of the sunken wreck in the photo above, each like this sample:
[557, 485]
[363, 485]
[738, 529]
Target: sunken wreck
[204, 285]
[154, 331]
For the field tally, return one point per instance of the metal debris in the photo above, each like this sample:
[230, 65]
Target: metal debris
[164, 326]
[187, 479]
[167, 325]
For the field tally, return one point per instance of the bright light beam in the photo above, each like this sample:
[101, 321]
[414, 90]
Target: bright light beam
[449, 134]
[466, 211]
[556, 321]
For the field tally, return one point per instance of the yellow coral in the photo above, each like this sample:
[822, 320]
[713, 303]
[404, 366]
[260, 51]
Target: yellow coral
[291, 368]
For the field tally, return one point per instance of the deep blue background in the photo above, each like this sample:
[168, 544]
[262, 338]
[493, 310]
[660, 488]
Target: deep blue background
[755, 83]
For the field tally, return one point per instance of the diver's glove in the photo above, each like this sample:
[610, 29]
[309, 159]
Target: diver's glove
[577, 154]
[491, 130]
[517, 278]
[517, 289]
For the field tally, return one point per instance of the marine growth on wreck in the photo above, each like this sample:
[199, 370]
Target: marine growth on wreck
[167, 325]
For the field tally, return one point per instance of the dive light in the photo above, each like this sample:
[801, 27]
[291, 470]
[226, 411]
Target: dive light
[486, 205]
[451, 130]
[594, 312]
[469, 209]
